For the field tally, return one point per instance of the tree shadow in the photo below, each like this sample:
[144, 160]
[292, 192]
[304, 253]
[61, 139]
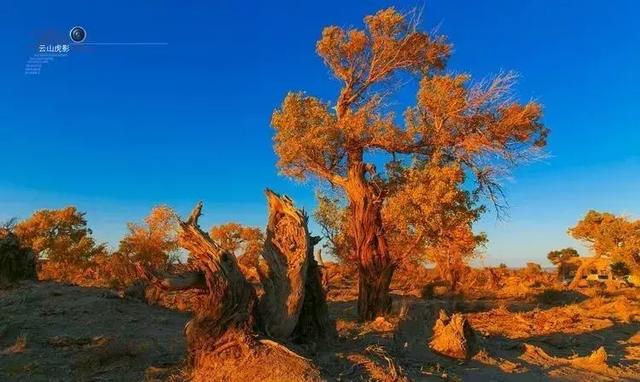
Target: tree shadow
[554, 297]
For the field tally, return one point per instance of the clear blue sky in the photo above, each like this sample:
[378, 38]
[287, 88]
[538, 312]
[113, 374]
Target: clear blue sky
[118, 129]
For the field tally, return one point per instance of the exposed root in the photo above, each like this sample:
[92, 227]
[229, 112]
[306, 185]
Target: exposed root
[283, 348]
[378, 364]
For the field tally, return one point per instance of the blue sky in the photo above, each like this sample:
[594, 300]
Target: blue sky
[116, 130]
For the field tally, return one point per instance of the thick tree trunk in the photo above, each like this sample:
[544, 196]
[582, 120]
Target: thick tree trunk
[370, 246]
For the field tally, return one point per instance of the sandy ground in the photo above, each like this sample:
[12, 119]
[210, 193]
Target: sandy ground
[53, 332]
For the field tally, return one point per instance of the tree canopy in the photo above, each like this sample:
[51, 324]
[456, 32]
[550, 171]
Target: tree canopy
[154, 243]
[562, 255]
[240, 240]
[473, 125]
[470, 132]
[60, 236]
[609, 235]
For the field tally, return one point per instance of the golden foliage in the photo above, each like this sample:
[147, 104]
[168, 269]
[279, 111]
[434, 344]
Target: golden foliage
[611, 235]
[429, 218]
[240, 240]
[62, 238]
[155, 243]
[467, 122]
[331, 217]
[455, 128]
[389, 43]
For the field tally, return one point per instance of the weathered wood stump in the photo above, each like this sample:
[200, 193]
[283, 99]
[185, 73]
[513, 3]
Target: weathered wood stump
[294, 301]
[452, 336]
[284, 270]
[224, 335]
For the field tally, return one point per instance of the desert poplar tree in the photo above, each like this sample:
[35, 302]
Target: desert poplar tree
[480, 128]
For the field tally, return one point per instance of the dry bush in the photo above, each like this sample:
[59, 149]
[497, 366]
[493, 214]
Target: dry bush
[501, 282]
[62, 272]
[114, 271]
[17, 262]
[412, 281]
[153, 243]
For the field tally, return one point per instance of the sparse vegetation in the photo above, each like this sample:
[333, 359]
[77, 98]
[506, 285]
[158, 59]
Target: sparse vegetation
[154, 244]
[397, 205]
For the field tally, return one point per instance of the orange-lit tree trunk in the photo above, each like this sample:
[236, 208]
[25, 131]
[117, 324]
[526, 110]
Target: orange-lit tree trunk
[293, 305]
[369, 244]
[478, 126]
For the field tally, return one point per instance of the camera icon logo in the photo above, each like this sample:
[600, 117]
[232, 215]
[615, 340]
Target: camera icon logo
[77, 34]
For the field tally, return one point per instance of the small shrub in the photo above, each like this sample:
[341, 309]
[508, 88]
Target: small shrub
[17, 262]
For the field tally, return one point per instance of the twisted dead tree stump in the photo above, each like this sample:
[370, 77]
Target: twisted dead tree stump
[284, 270]
[452, 336]
[226, 315]
[293, 304]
